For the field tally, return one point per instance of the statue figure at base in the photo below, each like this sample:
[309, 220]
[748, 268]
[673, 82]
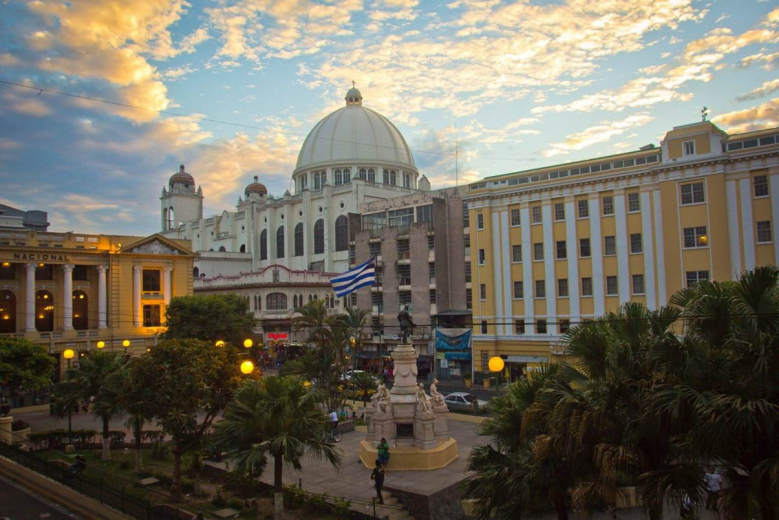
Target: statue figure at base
[406, 325]
[381, 400]
[438, 397]
[423, 401]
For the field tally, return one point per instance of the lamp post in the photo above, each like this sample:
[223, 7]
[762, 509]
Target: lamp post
[496, 364]
[68, 354]
[247, 367]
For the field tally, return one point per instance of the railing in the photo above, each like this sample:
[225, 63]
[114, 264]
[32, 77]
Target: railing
[96, 489]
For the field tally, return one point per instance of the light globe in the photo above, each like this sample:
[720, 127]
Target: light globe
[68, 353]
[248, 343]
[220, 343]
[126, 343]
[100, 344]
[496, 364]
[247, 367]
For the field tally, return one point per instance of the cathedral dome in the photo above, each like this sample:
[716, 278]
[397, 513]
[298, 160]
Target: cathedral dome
[352, 135]
[181, 177]
[256, 187]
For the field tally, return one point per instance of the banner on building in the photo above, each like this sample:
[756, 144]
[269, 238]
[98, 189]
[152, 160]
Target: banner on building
[453, 343]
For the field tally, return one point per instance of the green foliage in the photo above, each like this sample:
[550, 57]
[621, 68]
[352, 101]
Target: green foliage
[56, 438]
[640, 404]
[219, 500]
[318, 503]
[24, 365]
[364, 385]
[210, 318]
[160, 451]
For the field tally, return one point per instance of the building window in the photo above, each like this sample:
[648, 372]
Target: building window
[44, 272]
[347, 176]
[371, 176]
[80, 273]
[562, 253]
[538, 251]
[764, 232]
[635, 243]
[536, 214]
[559, 211]
[338, 177]
[385, 177]
[515, 220]
[481, 256]
[564, 326]
[467, 272]
[319, 237]
[151, 315]
[519, 326]
[634, 203]
[7, 271]
[393, 177]
[608, 205]
[484, 326]
[694, 277]
[584, 248]
[689, 148]
[7, 312]
[195, 273]
[541, 326]
[468, 299]
[280, 242]
[609, 245]
[44, 311]
[406, 180]
[519, 290]
[586, 286]
[432, 296]
[760, 183]
[425, 213]
[584, 209]
[516, 253]
[80, 310]
[341, 233]
[612, 288]
[151, 280]
[638, 284]
[299, 239]
[695, 237]
[362, 173]
[540, 289]
[466, 216]
[276, 302]
[692, 193]
[264, 244]
[482, 292]
[479, 221]
[562, 288]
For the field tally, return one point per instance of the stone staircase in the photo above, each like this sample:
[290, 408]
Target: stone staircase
[392, 509]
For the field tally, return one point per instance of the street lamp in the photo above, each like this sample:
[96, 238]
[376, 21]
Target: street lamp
[247, 367]
[248, 343]
[496, 364]
[100, 344]
[68, 354]
[126, 343]
[220, 343]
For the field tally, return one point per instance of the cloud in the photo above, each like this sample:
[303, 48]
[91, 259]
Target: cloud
[762, 116]
[597, 134]
[768, 60]
[767, 88]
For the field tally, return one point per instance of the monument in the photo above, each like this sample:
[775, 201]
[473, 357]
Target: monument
[415, 424]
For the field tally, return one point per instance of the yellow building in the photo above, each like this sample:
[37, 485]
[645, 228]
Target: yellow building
[83, 292]
[554, 246]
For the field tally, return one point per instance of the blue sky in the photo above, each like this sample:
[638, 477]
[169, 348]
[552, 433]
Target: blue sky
[517, 85]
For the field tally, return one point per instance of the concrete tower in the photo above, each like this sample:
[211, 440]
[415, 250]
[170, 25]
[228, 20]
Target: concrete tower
[180, 202]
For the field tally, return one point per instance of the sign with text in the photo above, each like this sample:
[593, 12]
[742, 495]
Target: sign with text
[36, 257]
[278, 336]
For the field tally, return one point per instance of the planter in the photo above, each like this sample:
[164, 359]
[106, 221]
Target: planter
[19, 434]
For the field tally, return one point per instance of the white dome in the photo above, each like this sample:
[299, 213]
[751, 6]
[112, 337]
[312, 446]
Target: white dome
[353, 135]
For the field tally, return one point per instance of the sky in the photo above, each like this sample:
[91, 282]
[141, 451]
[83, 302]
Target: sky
[230, 88]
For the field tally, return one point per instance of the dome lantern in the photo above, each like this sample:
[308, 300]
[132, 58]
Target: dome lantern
[256, 187]
[181, 177]
[353, 96]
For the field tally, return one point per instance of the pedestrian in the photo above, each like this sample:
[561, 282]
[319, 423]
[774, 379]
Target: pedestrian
[383, 451]
[333, 422]
[378, 480]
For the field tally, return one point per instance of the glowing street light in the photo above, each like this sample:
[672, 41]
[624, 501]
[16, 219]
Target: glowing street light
[220, 343]
[247, 367]
[68, 354]
[248, 343]
[126, 343]
[100, 344]
[496, 364]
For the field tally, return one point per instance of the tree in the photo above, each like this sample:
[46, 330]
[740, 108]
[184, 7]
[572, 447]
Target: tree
[97, 381]
[210, 318]
[178, 379]
[355, 320]
[133, 403]
[363, 383]
[24, 365]
[275, 416]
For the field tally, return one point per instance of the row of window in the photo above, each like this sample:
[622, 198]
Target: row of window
[341, 238]
[43, 272]
[278, 301]
[344, 176]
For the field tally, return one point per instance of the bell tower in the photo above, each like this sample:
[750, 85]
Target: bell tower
[180, 202]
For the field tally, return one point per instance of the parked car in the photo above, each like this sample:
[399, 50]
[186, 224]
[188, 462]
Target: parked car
[352, 373]
[464, 402]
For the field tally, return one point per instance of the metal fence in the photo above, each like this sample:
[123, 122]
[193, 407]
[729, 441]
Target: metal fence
[96, 489]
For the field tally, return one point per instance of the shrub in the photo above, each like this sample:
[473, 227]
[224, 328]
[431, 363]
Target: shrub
[116, 438]
[153, 436]
[159, 451]
[219, 499]
[235, 504]
[19, 425]
[317, 503]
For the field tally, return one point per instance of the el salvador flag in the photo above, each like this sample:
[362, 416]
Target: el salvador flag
[363, 275]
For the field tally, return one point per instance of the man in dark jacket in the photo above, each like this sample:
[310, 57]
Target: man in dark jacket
[378, 480]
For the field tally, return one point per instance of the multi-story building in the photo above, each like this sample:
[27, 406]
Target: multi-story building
[82, 291]
[12, 218]
[554, 246]
[418, 244]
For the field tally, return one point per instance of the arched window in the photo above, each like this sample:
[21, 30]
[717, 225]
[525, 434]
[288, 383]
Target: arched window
[7, 312]
[242, 248]
[276, 302]
[341, 234]
[259, 302]
[164, 219]
[385, 178]
[222, 249]
[362, 173]
[332, 302]
[196, 273]
[393, 177]
[80, 310]
[171, 219]
[338, 177]
[264, 244]
[323, 178]
[298, 239]
[280, 242]
[371, 175]
[44, 311]
[319, 237]
[406, 180]
[347, 176]
[295, 301]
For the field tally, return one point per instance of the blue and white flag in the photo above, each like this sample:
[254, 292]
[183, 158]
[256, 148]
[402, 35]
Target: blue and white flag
[363, 275]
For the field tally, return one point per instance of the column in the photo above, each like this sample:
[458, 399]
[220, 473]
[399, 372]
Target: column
[67, 297]
[166, 284]
[773, 180]
[527, 270]
[29, 311]
[508, 282]
[572, 246]
[497, 282]
[623, 265]
[549, 270]
[734, 233]
[101, 297]
[657, 211]
[649, 251]
[747, 223]
[596, 244]
[137, 296]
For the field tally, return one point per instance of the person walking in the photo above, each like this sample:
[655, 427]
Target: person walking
[383, 451]
[333, 422]
[378, 480]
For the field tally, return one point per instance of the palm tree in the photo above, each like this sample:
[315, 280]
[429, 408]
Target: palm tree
[99, 376]
[133, 403]
[275, 416]
[356, 320]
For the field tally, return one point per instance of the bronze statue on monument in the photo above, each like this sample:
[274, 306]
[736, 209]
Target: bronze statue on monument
[406, 324]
